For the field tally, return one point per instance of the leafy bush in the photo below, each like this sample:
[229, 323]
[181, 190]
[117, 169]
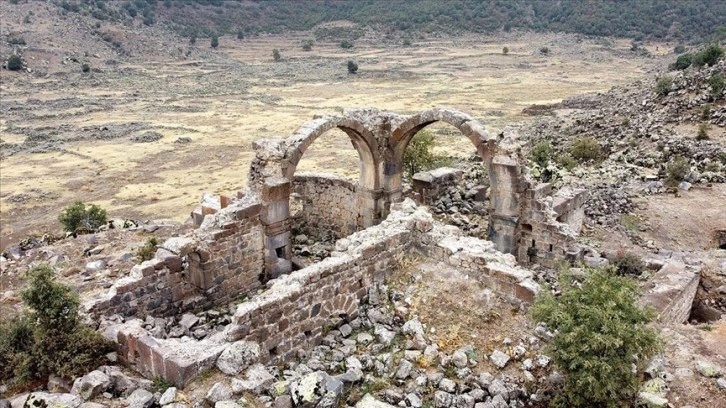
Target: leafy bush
[541, 153]
[15, 63]
[706, 111]
[276, 55]
[505, 50]
[193, 39]
[663, 86]
[628, 264]
[585, 149]
[419, 155]
[677, 170]
[307, 45]
[679, 49]
[682, 62]
[708, 56]
[85, 67]
[352, 67]
[567, 162]
[346, 44]
[215, 41]
[600, 332]
[240, 34]
[148, 250]
[702, 132]
[76, 217]
[544, 51]
[717, 84]
[406, 42]
[49, 337]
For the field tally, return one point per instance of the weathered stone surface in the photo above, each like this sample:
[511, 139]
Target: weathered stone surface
[37, 399]
[257, 379]
[91, 385]
[219, 392]
[316, 387]
[499, 358]
[238, 356]
[369, 402]
[140, 399]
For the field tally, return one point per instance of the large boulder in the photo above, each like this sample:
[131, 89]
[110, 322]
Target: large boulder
[238, 356]
[91, 385]
[316, 390]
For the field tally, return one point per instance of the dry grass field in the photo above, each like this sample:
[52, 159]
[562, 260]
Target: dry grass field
[223, 99]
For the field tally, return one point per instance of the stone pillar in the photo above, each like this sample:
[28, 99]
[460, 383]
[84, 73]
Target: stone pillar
[504, 209]
[275, 217]
[369, 207]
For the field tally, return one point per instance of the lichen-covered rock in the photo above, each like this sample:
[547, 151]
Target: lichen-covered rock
[238, 356]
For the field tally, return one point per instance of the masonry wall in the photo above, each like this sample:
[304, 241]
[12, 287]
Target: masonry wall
[329, 206]
[220, 263]
[671, 292]
[299, 306]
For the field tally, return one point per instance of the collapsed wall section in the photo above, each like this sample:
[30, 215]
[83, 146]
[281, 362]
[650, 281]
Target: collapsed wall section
[326, 206]
[220, 262]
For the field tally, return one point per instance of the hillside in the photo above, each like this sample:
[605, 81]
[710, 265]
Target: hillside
[671, 20]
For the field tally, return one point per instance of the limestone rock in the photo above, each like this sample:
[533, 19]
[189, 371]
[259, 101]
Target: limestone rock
[91, 385]
[499, 358]
[140, 399]
[316, 389]
[369, 402]
[238, 356]
[218, 392]
[37, 399]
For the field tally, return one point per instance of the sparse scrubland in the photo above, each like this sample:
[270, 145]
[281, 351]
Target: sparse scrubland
[117, 116]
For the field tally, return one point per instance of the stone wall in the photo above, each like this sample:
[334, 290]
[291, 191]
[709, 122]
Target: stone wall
[296, 309]
[328, 206]
[429, 185]
[671, 292]
[220, 262]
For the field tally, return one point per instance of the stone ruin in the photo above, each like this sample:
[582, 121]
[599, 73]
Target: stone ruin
[241, 252]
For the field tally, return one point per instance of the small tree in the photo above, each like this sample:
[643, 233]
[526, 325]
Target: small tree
[346, 44]
[85, 67]
[663, 86]
[15, 63]
[240, 34]
[544, 50]
[702, 132]
[677, 170]
[307, 45]
[505, 50]
[215, 41]
[679, 49]
[601, 332]
[419, 155]
[76, 217]
[628, 264]
[193, 39]
[276, 55]
[541, 153]
[716, 82]
[708, 56]
[585, 149]
[352, 67]
[682, 62]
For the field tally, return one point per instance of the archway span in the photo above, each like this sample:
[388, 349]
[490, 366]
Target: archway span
[468, 126]
[361, 137]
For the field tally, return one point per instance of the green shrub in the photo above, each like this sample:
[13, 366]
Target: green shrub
[15, 63]
[76, 217]
[585, 149]
[16, 41]
[567, 162]
[708, 56]
[276, 55]
[628, 264]
[215, 41]
[406, 42]
[193, 39]
[419, 155]
[85, 67]
[352, 67]
[682, 62]
[677, 170]
[148, 250]
[679, 49]
[346, 44]
[600, 333]
[544, 51]
[706, 111]
[505, 50]
[240, 34]
[49, 337]
[702, 132]
[663, 86]
[541, 153]
[717, 84]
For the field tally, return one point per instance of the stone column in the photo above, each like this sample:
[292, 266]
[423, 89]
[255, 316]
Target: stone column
[504, 209]
[275, 217]
[368, 203]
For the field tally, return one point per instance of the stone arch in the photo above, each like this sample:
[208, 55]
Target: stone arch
[401, 136]
[361, 137]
